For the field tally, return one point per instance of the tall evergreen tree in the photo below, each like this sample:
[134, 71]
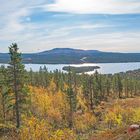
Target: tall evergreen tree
[71, 96]
[17, 81]
[119, 85]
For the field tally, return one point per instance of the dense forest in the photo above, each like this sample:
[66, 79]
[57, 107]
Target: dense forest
[66, 106]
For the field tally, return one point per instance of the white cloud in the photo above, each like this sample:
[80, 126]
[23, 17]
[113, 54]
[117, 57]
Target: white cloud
[12, 25]
[95, 6]
[11, 15]
[32, 36]
[113, 42]
[69, 29]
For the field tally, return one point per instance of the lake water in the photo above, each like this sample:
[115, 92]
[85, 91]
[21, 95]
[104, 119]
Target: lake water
[105, 68]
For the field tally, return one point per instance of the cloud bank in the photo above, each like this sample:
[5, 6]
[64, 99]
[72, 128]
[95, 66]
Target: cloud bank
[95, 6]
[108, 25]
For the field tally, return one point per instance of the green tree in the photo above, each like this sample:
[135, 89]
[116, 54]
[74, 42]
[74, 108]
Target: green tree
[17, 81]
[72, 100]
[119, 85]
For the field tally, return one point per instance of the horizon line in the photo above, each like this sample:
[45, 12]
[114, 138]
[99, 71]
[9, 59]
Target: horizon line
[39, 51]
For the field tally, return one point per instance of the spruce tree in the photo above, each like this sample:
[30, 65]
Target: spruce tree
[72, 100]
[17, 82]
[119, 85]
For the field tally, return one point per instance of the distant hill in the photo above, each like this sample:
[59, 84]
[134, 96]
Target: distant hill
[69, 51]
[74, 56]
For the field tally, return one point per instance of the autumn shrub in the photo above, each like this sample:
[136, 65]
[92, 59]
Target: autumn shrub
[118, 115]
[136, 115]
[35, 129]
[128, 114]
[84, 122]
[51, 107]
[113, 116]
[65, 134]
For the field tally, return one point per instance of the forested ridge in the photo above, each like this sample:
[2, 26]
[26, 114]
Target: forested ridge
[47, 105]
[74, 56]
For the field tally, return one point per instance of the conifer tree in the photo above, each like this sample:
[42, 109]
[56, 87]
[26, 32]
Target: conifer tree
[71, 96]
[120, 86]
[17, 82]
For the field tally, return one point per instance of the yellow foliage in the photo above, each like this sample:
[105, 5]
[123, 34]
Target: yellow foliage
[51, 113]
[81, 100]
[36, 129]
[119, 116]
[114, 116]
[128, 115]
[136, 116]
[65, 134]
[52, 87]
[52, 107]
[84, 122]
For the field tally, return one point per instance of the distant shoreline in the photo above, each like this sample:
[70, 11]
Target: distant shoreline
[76, 63]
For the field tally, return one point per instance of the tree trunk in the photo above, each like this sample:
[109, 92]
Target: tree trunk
[16, 99]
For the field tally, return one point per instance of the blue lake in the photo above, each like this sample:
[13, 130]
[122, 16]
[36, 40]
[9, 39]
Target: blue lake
[105, 68]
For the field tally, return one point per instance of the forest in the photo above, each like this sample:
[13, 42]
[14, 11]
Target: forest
[54, 105]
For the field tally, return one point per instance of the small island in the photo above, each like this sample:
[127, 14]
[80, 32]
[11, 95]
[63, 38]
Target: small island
[81, 69]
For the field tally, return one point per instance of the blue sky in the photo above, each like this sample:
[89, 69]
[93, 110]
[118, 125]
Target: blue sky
[38, 25]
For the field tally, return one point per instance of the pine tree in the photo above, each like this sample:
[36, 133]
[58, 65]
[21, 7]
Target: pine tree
[71, 96]
[17, 80]
[119, 86]
[91, 93]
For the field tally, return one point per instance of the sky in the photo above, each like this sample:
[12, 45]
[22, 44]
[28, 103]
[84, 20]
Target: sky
[39, 25]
